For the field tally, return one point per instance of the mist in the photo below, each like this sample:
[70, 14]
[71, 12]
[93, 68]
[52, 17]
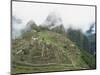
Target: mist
[17, 27]
[76, 17]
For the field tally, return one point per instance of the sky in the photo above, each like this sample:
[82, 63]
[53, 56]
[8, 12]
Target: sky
[77, 17]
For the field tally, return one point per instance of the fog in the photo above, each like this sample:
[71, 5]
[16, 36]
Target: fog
[77, 17]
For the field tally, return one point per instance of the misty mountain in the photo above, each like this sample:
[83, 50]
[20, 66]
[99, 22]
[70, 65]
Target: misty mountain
[30, 25]
[17, 26]
[16, 20]
[91, 35]
[91, 30]
[54, 23]
[53, 20]
[45, 48]
[83, 40]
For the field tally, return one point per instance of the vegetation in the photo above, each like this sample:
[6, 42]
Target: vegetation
[40, 49]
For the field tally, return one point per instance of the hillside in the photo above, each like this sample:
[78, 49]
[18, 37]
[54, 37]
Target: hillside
[45, 50]
[51, 47]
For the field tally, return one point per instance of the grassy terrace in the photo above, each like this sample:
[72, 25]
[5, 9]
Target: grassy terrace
[42, 68]
[62, 55]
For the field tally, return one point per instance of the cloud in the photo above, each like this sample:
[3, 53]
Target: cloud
[77, 17]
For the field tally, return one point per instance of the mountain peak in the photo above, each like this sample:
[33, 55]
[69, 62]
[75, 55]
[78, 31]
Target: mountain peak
[30, 25]
[53, 20]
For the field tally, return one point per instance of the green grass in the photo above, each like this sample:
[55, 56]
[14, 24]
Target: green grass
[42, 68]
[89, 59]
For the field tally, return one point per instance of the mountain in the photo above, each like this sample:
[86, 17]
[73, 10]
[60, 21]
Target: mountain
[59, 29]
[30, 25]
[91, 35]
[79, 38]
[52, 20]
[92, 43]
[91, 30]
[46, 50]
